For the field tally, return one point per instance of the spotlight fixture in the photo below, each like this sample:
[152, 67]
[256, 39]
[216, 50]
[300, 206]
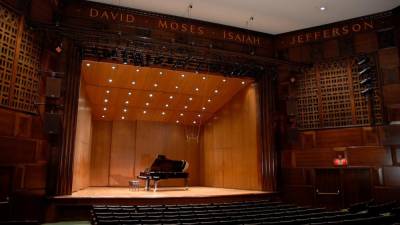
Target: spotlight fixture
[224, 80]
[177, 121]
[105, 100]
[243, 82]
[133, 82]
[113, 67]
[137, 70]
[198, 115]
[127, 102]
[155, 85]
[125, 110]
[109, 80]
[107, 91]
[163, 113]
[144, 111]
[150, 95]
[209, 100]
[105, 109]
[123, 117]
[204, 78]
[182, 75]
[161, 73]
[103, 116]
[129, 93]
[203, 108]
[171, 97]
[147, 104]
[176, 87]
[87, 64]
[190, 98]
[185, 107]
[215, 91]
[181, 114]
[166, 105]
[196, 89]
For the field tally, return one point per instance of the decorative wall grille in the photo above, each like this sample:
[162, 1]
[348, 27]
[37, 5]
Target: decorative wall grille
[19, 84]
[329, 95]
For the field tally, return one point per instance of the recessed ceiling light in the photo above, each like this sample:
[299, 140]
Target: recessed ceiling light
[155, 85]
[137, 70]
[243, 82]
[322, 8]
[166, 105]
[215, 91]
[125, 110]
[209, 100]
[105, 108]
[176, 87]
[197, 89]
[129, 93]
[224, 80]
[133, 82]
[144, 111]
[185, 107]
[177, 121]
[150, 95]
[182, 75]
[190, 98]
[161, 73]
[113, 67]
[163, 113]
[147, 104]
[105, 100]
[194, 121]
[203, 108]
[126, 102]
[123, 117]
[103, 116]
[87, 64]
[196, 72]
[108, 91]
[198, 115]
[125, 62]
[204, 78]
[171, 97]
[109, 80]
[181, 114]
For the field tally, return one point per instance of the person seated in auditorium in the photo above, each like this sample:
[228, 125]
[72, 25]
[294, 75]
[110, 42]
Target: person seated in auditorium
[340, 161]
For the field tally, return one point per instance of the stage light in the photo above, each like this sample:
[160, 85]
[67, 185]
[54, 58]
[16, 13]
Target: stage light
[133, 82]
[105, 108]
[365, 70]
[147, 104]
[366, 81]
[123, 117]
[176, 87]
[129, 93]
[155, 85]
[87, 64]
[144, 111]
[109, 80]
[103, 116]
[127, 102]
[150, 95]
[125, 110]
[161, 73]
[224, 80]
[194, 122]
[367, 91]
[209, 100]
[204, 78]
[171, 97]
[105, 100]
[198, 115]
[163, 113]
[203, 108]
[185, 107]
[181, 114]
[177, 121]
[243, 82]
[108, 91]
[196, 89]
[322, 8]
[215, 91]
[182, 75]
[166, 105]
[137, 70]
[190, 98]
[113, 67]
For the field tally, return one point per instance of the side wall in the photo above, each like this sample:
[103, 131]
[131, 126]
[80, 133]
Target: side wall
[122, 149]
[230, 156]
[83, 142]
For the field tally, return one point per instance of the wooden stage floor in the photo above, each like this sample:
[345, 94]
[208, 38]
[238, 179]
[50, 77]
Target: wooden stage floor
[164, 192]
[78, 205]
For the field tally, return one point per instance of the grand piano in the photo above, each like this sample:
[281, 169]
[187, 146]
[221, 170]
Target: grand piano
[164, 168]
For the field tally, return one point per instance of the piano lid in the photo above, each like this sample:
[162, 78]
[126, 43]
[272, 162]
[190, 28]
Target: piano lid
[163, 164]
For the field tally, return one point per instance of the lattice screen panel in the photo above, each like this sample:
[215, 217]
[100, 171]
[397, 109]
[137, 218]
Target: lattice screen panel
[324, 96]
[19, 84]
[307, 100]
[335, 94]
[27, 77]
[8, 39]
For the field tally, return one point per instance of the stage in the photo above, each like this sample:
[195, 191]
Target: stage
[77, 205]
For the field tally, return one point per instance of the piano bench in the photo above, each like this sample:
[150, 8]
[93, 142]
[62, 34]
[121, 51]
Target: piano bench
[134, 185]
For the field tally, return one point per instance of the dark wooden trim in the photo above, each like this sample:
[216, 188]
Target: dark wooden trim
[66, 155]
[351, 90]
[318, 82]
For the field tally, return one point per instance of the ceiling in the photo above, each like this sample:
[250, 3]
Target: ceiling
[270, 16]
[154, 94]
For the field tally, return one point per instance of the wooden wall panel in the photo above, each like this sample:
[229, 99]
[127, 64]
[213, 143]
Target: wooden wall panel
[100, 155]
[122, 155]
[154, 138]
[391, 176]
[230, 154]
[369, 156]
[83, 143]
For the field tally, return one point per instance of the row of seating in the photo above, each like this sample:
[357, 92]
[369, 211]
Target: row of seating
[255, 212]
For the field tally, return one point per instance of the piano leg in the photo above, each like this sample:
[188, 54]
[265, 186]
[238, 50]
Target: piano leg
[186, 184]
[155, 185]
[147, 187]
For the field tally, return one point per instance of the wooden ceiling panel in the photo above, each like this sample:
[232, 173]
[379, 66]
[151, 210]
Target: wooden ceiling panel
[140, 93]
